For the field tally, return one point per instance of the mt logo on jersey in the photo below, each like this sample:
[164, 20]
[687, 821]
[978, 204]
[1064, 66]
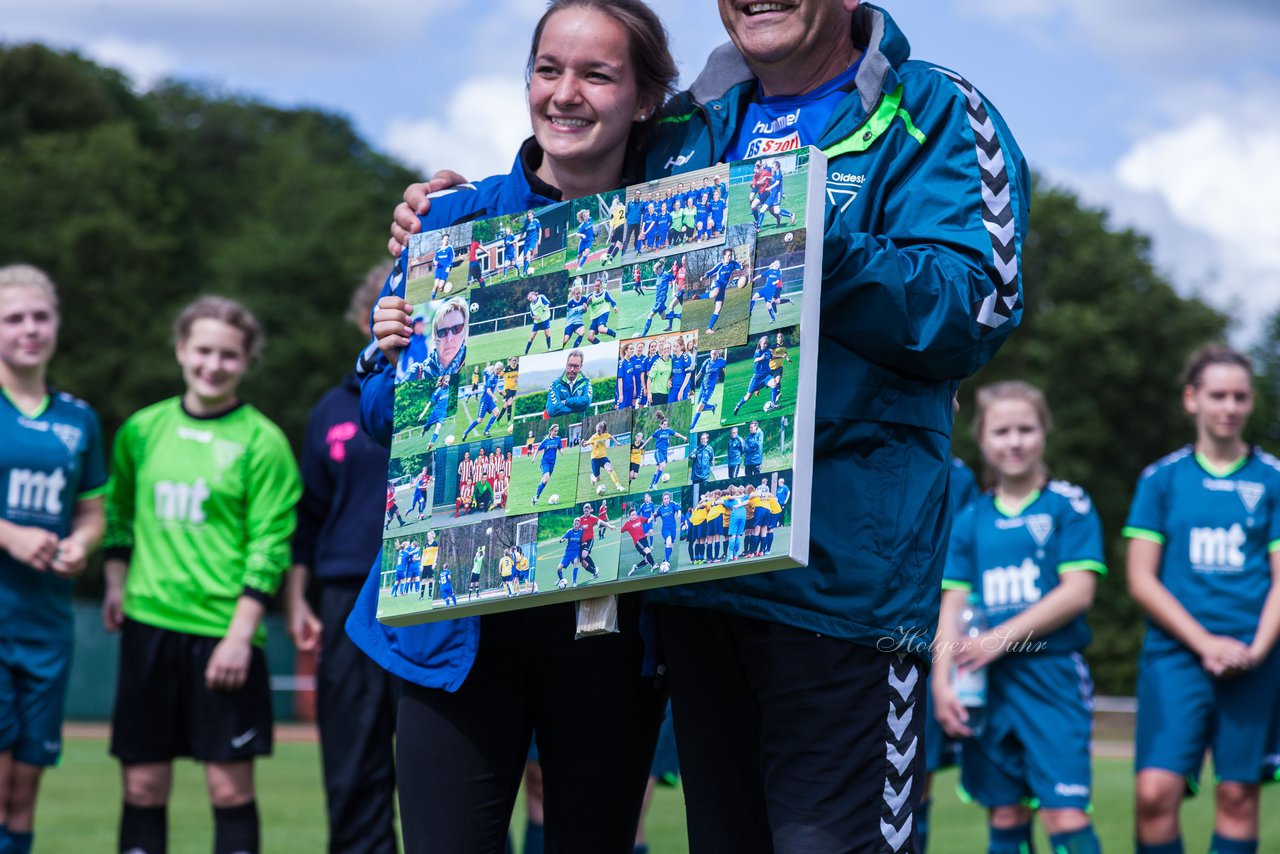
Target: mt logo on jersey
[1011, 585]
[36, 491]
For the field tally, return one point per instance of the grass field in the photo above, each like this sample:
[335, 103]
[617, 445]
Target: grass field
[634, 308]
[737, 379]
[619, 456]
[732, 325]
[80, 805]
[493, 346]
[788, 313]
[677, 468]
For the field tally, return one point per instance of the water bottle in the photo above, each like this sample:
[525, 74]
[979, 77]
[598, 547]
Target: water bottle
[971, 686]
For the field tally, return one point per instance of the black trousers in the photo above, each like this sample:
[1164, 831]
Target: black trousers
[356, 710]
[596, 718]
[789, 741]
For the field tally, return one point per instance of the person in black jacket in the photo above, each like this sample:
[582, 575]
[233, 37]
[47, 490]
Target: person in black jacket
[339, 522]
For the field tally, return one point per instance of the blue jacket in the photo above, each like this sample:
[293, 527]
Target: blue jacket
[754, 445]
[928, 197]
[434, 655]
[563, 398]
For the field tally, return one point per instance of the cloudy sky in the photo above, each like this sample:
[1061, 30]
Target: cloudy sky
[1166, 112]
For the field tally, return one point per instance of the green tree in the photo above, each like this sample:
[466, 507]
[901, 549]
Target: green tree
[1105, 337]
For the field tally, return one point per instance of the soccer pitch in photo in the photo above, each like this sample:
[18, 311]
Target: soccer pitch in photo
[604, 553]
[526, 474]
[550, 263]
[732, 325]
[737, 379]
[710, 418]
[633, 310]
[618, 456]
[788, 311]
[794, 199]
[498, 346]
[678, 469]
[413, 441]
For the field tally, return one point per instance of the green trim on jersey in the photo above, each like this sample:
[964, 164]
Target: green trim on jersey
[41, 408]
[1273, 546]
[1011, 512]
[94, 493]
[1221, 471]
[207, 508]
[1083, 566]
[951, 584]
[1142, 534]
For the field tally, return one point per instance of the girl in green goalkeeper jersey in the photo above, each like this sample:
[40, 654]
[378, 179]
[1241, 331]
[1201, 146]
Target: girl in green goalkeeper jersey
[200, 513]
[52, 476]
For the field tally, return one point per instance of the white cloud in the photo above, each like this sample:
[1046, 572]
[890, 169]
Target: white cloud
[146, 64]
[478, 133]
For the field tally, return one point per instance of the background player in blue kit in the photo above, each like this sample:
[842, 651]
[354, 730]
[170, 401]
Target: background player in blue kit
[720, 276]
[532, 240]
[733, 453]
[753, 449]
[574, 311]
[446, 587]
[1203, 560]
[572, 540]
[661, 296]
[702, 460]
[586, 234]
[435, 411]
[682, 363]
[711, 373]
[549, 448]
[1031, 553]
[52, 438]
[510, 252]
[420, 504]
[443, 266]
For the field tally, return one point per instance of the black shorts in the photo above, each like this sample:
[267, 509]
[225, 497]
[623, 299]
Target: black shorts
[616, 235]
[635, 468]
[509, 394]
[164, 709]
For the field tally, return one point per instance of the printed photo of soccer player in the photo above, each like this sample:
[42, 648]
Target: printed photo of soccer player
[425, 415]
[518, 317]
[706, 389]
[579, 381]
[598, 226]
[651, 297]
[544, 468]
[717, 297]
[653, 529]
[651, 371]
[438, 342]
[760, 379]
[522, 245]
[579, 544]
[438, 264]
[676, 214]
[605, 452]
[466, 563]
[731, 522]
[658, 458]
[773, 192]
[777, 281]
[741, 454]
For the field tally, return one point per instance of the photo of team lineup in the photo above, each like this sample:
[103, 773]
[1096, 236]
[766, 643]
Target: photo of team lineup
[606, 394]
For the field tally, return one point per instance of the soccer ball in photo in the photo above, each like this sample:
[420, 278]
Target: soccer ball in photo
[664, 567]
[448, 440]
[600, 489]
[769, 406]
[488, 532]
[788, 237]
[666, 478]
[554, 499]
[562, 584]
[448, 287]
[475, 306]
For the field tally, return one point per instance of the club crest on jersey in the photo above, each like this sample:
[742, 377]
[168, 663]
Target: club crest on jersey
[225, 453]
[766, 147]
[1250, 493]
[1040, 526]
[68, 434]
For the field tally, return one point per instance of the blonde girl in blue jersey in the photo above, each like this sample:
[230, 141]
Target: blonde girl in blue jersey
[52, 476]
[1031, 552]
[1203, 560]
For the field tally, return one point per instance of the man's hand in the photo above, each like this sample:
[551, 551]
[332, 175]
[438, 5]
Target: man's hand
[391, 329]
[405, 220]
[228, 665]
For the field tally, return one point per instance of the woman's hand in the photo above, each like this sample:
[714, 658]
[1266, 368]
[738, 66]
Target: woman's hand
[391, 329]
[979, 652]
[1223, 656]
[35, 547]
[70, 558]
[405, 221]
[953, 716]
[228, 665]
